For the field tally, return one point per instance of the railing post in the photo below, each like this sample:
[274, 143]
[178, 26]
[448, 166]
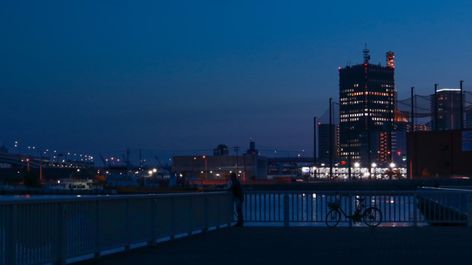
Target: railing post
[190, 215]
[205, 217]
[230, 212]
[469, 211]
[97, 252]
[61, 242]
[172, 216]
[351, 196]
[218, 211]
[286, 210]
[152, 242]
[127, 226]
[12, 230]
[415, 209]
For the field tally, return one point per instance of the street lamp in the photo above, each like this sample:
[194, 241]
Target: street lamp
[206, 166]
[374, 166]
[357, 165]
[392, 166]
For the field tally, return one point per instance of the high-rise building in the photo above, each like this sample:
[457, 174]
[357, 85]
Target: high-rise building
[447, 114]
[367, 106]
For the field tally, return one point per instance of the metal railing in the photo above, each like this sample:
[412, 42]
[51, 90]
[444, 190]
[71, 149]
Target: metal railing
[60, 229]
[399, 208]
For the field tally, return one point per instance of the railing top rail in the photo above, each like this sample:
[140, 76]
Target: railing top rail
[439, 189]
[81, 198]
[335, 192]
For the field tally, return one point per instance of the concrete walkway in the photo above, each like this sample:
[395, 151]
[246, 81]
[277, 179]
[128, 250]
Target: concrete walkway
[247, 246]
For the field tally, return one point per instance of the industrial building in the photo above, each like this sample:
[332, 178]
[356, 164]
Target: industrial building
[249, 165]
[440, 154]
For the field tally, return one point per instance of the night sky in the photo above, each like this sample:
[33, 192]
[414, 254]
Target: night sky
[98, 76]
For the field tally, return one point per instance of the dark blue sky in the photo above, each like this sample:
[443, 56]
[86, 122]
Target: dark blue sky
[186, 75]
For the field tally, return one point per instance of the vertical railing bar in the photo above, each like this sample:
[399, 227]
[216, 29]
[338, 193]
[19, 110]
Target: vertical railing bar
[153, 234]
[265, 206]
[248, 208]
[292, 195]
[97, 230]
[205, 217]
[277, 207]
[128, 231]
[60, 259]
[260, 207]
[469, 209]
[286, 209]
[312, 207]
[303, 208]
[190, 216]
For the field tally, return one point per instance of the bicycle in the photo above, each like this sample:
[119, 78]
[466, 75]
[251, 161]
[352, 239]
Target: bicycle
[371, 216]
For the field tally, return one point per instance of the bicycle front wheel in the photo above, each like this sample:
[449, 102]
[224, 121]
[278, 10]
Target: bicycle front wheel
[332, 218]
[372, 217]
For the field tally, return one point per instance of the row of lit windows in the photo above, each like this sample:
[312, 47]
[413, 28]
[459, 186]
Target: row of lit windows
[352, 120]
[377, 121]
[382, 102]
[366, 113]
[371, 93]
[381, 119]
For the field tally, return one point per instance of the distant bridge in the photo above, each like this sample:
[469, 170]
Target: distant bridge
[22, 160]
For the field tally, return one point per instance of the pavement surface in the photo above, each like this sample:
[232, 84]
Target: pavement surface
[260, 246]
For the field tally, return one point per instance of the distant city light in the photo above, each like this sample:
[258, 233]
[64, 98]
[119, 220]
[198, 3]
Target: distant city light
[357, 164]
[392, 165]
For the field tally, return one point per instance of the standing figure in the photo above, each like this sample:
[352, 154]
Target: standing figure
[238, 198]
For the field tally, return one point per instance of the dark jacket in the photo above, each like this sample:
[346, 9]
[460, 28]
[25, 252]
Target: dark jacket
[237, 190]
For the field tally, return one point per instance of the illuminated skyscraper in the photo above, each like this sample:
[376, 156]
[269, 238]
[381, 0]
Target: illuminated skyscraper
[447, 114]
[367, 106]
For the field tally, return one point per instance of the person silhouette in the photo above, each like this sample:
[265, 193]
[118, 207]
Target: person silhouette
[238, 198]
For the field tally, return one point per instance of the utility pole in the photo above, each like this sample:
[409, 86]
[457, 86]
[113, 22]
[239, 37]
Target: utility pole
[349, 160]
[412, 112]
[461, 116]
[315, 130]
[436, 107]
[331, 138]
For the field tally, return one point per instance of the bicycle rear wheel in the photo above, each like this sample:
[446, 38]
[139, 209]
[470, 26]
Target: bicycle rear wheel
[332, 218]
[372, 216]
